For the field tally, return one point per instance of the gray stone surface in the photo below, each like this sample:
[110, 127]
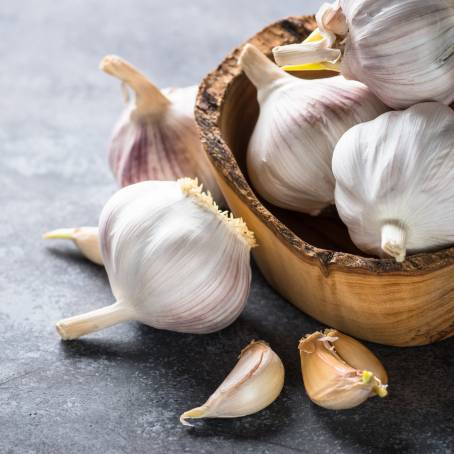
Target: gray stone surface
[122, 390]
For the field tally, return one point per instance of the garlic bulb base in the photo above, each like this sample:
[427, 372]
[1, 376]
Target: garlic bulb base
[74, 327]
[393, 241]
[85, 238]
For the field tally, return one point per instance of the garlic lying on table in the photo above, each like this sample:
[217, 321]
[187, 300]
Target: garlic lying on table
[290, 151]
[339, 372]
[402, 49]
[394, 181]
[254, 383]
[85, 238]
[173, 259]
[156, 137]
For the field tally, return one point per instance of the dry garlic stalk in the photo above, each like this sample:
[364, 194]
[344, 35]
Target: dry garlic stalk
[173, 259]
[339, 372]
[394, 179]
[402, 49]
[254, 383]
[157, 137]
[85, 238]
[289, 154]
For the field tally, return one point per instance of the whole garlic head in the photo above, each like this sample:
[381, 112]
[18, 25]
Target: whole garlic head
[290, 151]
[174, 261]
[394, 179]
[156, 137]
[402, 49]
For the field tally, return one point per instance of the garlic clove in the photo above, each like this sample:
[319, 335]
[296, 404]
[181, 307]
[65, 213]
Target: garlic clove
[330, 380]
[85, 238]
[290, 152]
[154, 232]
[156, 137]
[254, 383]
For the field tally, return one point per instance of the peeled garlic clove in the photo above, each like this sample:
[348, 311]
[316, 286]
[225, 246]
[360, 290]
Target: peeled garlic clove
[402, 49]
[173, 259]
[394, 181]
[329, 378]
[254, 383]
[157, 137]
[85, 238]
[290, 151]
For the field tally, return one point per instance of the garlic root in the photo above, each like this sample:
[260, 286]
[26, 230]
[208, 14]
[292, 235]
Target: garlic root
[393, 239]
[254, 383]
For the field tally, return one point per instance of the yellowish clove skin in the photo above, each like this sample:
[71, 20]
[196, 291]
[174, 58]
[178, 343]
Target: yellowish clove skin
[254, 383]
[342, 377]
[85, 238]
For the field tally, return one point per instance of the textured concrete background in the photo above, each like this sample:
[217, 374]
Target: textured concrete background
[122, 390]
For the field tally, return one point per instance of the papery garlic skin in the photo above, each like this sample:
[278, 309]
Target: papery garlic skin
[254, 383]
[174, 261]
[156, 137]
[85, 238]
[402, 49]
[330, 381]
[394, 179]
[290, 151]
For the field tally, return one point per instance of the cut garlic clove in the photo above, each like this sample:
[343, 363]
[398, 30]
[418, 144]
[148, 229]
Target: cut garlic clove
[254, 383]
[85, 238]
[330, 381]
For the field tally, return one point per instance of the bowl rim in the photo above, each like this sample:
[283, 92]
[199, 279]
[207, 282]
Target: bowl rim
[212, 93]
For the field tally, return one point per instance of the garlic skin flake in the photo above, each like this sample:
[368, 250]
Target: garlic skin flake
[290, 151]
[156, 137]
[254, 383]
[402, 49]
[174, 261]
[85, 238]
[339, 372]
[394, 179]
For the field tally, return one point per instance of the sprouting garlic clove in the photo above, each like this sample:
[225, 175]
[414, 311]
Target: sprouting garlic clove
[156, 137]
[174, 261]
[394, 181]
[300, 121]
[330, 378]
[254, 383]
[402, 49]
[85, 238]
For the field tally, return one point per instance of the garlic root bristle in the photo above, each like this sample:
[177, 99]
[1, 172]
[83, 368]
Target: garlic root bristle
[191, 188]
[74, 327]
[393, 241]
[149, 99]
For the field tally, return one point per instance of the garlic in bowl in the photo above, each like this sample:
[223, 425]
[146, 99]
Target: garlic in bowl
[312, 261]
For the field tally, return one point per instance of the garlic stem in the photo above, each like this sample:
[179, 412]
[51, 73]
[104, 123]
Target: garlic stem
[60, 234]
[149, 99]
[79, 325]
[393, 240]
[258, 68]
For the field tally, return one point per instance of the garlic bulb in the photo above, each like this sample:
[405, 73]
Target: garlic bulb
[254, 383]
[290, 151]
[339, 372]
[402, 49]
[85, 238]
[394, 178]
[156, 137]
[173, 259]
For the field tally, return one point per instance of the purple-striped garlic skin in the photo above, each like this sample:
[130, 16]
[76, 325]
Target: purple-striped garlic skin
[157, 137]
[174, 261]
[300, 122]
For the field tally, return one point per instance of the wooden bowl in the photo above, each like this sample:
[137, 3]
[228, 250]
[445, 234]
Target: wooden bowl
[312, 261]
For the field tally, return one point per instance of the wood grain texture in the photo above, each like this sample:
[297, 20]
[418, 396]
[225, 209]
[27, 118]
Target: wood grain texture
[312, 261]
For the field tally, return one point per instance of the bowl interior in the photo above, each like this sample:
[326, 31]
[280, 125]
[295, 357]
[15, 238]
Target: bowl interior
[238, 117]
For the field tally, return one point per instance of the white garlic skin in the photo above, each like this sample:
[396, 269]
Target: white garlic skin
[156, 137]
[402, 49]
[300, 121]
[175, 263]
[397, 171]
